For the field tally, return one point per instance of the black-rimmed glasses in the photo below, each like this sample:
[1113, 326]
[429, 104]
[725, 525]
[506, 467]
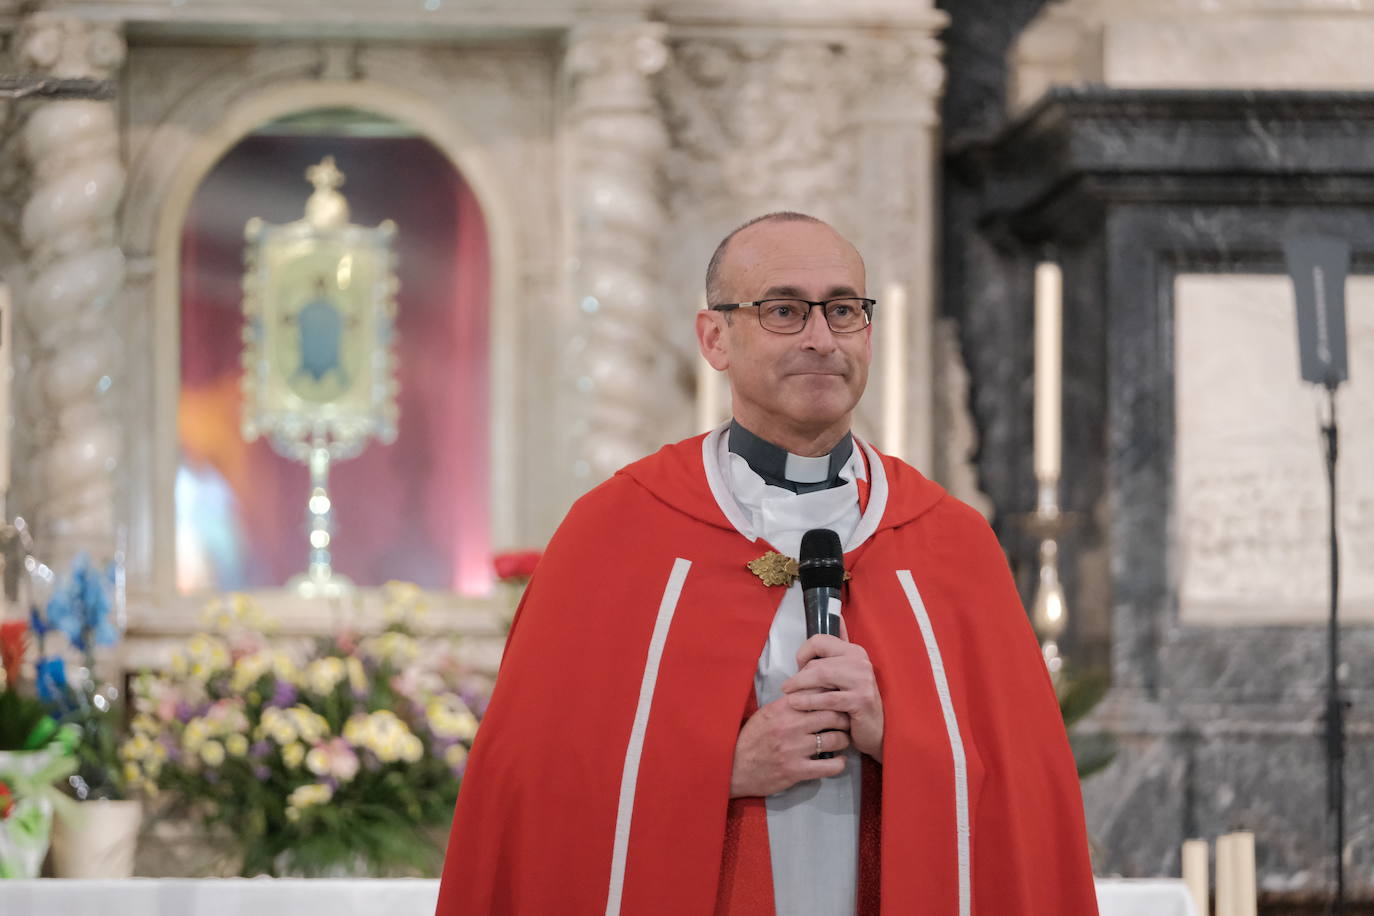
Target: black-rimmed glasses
[788, 316]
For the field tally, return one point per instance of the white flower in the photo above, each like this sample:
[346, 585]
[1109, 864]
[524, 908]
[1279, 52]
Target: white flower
[324, 674]
[305, 797]
[212, 753]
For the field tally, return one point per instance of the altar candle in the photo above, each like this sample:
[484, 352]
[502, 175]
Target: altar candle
[1048, 368]
[1195, 873]
[1243, 854]
[1226, 876]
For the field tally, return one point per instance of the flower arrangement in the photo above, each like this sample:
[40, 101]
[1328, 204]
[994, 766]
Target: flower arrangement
[81, 608]
[339, 758]
[35, 752]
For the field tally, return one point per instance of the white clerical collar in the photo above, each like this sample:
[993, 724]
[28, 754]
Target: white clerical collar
[781, 468]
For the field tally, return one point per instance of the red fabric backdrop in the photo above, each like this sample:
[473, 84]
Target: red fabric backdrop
[416, 509]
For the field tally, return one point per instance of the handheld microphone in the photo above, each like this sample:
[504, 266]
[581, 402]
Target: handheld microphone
[820, 567]
[821, 571]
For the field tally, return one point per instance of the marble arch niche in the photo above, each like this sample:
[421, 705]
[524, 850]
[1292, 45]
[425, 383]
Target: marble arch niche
[415, 509]
[469, 106]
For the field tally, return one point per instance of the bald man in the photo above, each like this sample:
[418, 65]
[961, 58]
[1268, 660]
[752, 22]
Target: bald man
[664, 738]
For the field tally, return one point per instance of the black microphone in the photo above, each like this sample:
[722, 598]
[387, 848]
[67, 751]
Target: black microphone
[820, 567]
[821, 571]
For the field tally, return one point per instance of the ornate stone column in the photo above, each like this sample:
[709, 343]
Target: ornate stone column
[896, 122]
[616, 142]
[70, 307]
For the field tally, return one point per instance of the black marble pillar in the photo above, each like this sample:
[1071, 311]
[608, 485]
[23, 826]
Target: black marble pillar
[1216, 728]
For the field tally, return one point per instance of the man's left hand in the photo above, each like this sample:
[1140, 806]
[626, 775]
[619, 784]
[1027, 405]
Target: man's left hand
[835, 674]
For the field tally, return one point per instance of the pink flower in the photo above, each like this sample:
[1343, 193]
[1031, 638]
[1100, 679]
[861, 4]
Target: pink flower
[334, 758]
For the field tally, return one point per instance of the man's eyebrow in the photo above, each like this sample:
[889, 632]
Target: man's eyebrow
[795, 292]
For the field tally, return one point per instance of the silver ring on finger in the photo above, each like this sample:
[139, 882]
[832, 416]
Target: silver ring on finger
[818, 744]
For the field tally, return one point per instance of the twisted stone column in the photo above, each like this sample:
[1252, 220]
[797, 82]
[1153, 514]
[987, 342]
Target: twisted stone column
[617, 142]
[70, 304]
[896, 120]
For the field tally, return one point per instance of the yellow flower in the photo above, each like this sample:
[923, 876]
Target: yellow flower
[292, 754]
[132, 774]
[248, 670]
[137, 747]
[357, 676]
[212, 753]
[396, 648]
[449, 717]
[306, 796]
[324, 674]
[317, 761]
[455, 755]
[237, 745]
[145, 724]
[195, 735]
[412, 749]
[310, 725]
[404, 602]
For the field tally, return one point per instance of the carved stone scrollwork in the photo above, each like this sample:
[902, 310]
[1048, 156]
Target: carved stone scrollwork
[617, 143]
[732, 106]
[75, 273]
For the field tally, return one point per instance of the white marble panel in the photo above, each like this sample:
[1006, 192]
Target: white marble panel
[1240, 52]
[1250, 477]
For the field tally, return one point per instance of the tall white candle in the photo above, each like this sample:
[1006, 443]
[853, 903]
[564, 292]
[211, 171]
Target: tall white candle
[893, 330]
[1195, 873]
[1226, 876]
[1243, 853]
[1048, 368]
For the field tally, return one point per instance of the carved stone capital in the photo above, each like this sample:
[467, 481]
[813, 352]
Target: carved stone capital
[732, 105]
[900, 78]
[610, 66]
[69, 47]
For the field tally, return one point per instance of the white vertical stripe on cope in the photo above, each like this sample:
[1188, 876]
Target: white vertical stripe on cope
[956, 741]
[629, 776]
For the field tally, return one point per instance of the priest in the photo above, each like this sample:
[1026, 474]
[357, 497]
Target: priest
[665, 739]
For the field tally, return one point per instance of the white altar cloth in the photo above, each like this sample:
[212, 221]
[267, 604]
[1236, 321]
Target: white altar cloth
[374, 897]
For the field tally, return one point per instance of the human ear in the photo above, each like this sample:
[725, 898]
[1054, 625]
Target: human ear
[711, 340]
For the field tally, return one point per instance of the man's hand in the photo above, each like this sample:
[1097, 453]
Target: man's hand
[775, 748]
[836, 675]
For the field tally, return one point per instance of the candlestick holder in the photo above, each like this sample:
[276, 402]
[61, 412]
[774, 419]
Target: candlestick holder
[1049, 609]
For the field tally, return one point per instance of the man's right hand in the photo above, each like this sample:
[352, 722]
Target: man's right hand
[776, 745]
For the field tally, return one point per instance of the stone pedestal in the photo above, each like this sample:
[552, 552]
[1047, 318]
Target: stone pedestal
[1159, 205]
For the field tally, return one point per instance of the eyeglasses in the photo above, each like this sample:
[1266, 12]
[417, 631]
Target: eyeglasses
[788, 316]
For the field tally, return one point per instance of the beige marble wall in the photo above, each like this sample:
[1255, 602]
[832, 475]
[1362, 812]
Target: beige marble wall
[1251, 544]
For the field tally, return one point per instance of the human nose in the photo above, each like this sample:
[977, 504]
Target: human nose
[816, 334]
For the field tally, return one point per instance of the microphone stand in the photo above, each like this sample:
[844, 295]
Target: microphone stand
[1336, 703]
